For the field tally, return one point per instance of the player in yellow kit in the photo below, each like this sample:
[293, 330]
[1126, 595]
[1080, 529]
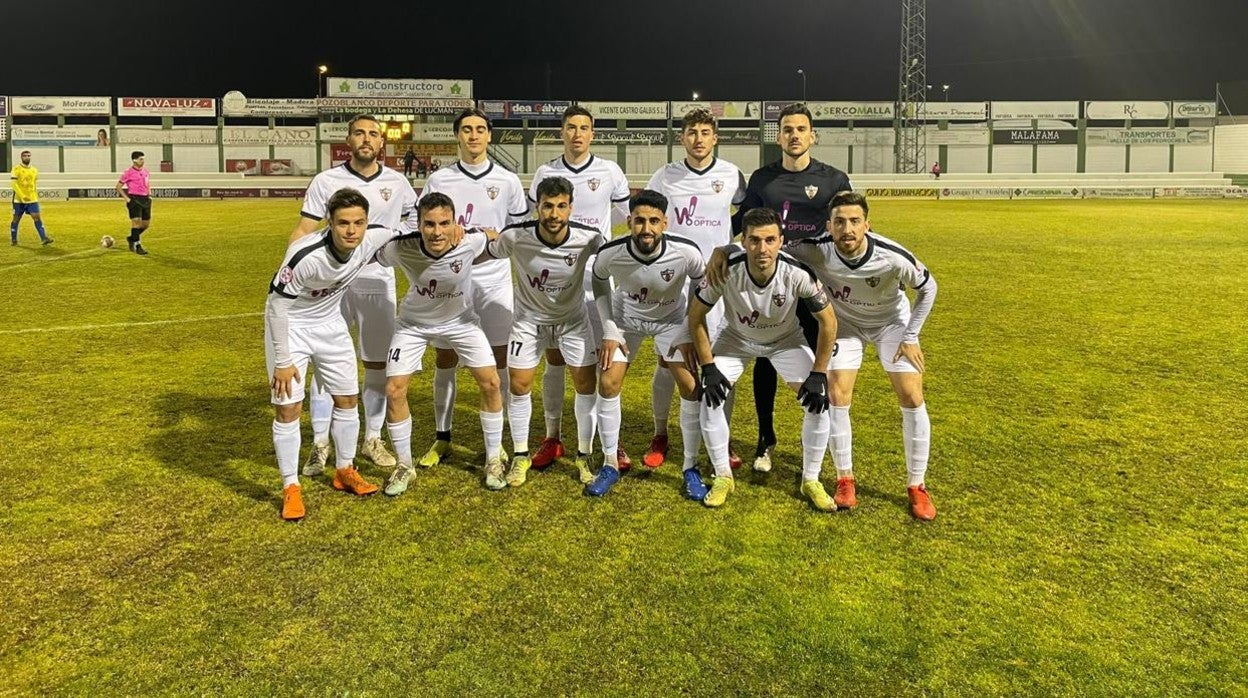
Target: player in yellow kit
[26, 198]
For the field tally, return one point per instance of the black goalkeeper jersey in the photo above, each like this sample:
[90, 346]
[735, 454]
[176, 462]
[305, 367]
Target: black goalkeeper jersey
[801, 198]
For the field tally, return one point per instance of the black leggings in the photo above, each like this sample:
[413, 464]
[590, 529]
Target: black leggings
[766, 381]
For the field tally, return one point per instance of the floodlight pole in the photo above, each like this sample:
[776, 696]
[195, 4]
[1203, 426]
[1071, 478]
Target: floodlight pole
[911, 152]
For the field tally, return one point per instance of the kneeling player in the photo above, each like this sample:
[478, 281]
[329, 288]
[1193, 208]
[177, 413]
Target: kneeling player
[549, 256]
[866, 274]
[438, 305]
[760, 293]
[652, 270]
[302, 323]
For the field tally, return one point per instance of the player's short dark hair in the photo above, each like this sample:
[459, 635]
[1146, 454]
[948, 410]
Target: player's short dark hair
[472, 111]
[758, 218]
[554, 186]
[361, 117]
[848, 198]
[648, 197]
[346, 198]
[699, 116]
[135, 155]
[794, 109]
[575, 110]
[433, 200]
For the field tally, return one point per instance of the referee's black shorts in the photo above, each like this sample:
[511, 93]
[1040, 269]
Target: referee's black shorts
[140, 207]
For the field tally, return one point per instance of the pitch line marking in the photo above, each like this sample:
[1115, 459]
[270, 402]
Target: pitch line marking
[112, 325]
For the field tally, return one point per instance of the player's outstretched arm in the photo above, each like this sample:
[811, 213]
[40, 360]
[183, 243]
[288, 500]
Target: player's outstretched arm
[925, 298]
[612, 338]
[285, 374]
[717, 265]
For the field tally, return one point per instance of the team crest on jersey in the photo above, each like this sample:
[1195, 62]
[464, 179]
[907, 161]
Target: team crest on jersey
[667, 274]
[385, 193]
[457, 265]
[593, 183]
[779, 299]
[811, 190]
[570, 258]
[704, 284]
[873, 281]
[285, 275]
[717, 185]
[491, 192]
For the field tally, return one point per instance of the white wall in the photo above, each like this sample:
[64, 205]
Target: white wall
[43, 159]
[1057, 158]
[745, 157]
[1106, 158]
[1012, 158]
[195, 158]
[1230, 149]
[1193, 158]
[963, 159]
[1150, 158]
[97, 160]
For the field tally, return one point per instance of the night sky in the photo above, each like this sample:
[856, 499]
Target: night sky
[637, 50]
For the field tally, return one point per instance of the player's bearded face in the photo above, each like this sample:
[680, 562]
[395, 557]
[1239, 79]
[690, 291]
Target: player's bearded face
[553, 213]
[796, 135]
[762, 245]
[647, 224]
[435, 229]
[348, 225]
[848, 227]
[365, 141]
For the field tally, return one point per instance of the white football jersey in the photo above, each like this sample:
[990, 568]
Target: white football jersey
[699, 202]
[485, 196]
[390, 200]
[597, 186]
[440, 291]
[869, 291]
[313, 275]
[549, 278]
[653, 289]
[762, 315]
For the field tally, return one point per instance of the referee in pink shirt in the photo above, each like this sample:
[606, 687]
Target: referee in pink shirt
[133, 187]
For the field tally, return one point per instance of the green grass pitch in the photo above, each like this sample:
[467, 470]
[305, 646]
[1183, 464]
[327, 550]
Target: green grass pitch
[1086, 382]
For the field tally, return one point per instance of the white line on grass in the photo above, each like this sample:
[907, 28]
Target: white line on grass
[58, 258]
[67, 328]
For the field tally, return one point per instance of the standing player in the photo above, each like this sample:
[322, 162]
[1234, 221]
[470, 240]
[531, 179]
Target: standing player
[550, 256]
[133, 187]
[701, 190]
[865, 273]
[438, 307]
[652, 271]
[26, 198]
[799, 189]
[487, 197]
[762, 290]
[370, 302]
[302, 323]
[601, 200]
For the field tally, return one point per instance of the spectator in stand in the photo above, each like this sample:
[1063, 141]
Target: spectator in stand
[936, 169]
[408, 160]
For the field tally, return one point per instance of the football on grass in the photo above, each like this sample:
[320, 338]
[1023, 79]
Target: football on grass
[107, 241]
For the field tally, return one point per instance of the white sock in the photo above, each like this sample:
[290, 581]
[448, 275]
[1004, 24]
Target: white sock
[552, 399]
[374, 399]
[662, 387]
[814, 444]
[492, 428]
[519, 411]
[321, 407]
[401, 437]
[445, 390]
[690, 432]
[729, 403]
[609, 417]
[841, 441]
[583, 408]
[346, 431]
[286, 444]
[916, 433]
[715, 436]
